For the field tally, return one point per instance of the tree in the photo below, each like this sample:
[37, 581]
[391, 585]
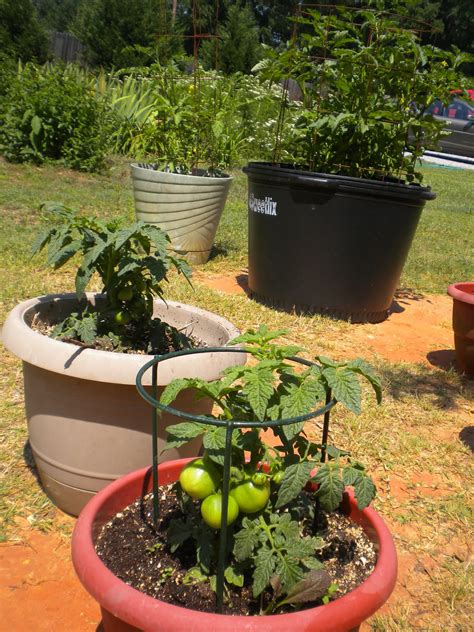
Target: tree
[56, 15]
[458, 21]
[21, 35]
[238, 48]
[119, 32]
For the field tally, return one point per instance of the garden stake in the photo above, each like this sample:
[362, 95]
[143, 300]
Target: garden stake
[326, 427]
[154, 417]
[327, 414]
[225, 503]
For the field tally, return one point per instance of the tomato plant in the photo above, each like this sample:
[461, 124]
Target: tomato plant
[122, 318]
[132, 261]
[277, 478]
[211, 510]
[200, 478]
[276, 492]
[259, 478]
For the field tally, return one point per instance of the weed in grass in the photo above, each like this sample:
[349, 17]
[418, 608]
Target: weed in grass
[399, 620]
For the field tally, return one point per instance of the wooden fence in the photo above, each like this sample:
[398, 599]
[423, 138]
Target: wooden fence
[66, 47]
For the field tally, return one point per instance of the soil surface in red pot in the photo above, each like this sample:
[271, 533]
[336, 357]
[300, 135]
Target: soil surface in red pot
[139, 555]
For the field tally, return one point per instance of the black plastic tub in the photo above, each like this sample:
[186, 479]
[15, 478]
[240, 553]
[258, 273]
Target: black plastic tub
[321, 243]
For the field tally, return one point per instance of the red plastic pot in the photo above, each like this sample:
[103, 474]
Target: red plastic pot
[125, 609]
[463, 325]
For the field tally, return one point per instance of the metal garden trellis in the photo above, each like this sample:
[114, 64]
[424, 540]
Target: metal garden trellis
[230, 425]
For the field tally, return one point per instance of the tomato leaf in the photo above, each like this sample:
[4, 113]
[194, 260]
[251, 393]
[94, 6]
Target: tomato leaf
[364, 490]
[345, 387]
[264, 567]
[214, 443]
[331, 486]
[173, 389]
[258, 388]
[234, 577]
[296, 477]
[246, 539]
[313, 586]
[362, 367]
[180, 434]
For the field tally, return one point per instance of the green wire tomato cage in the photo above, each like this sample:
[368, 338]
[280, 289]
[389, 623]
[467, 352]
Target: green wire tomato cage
[229, 425]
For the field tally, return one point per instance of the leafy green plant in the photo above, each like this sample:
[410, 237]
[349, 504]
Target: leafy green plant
[366, 84]
[51, 112]
[132, 262]
[179, 124]
[279, 491]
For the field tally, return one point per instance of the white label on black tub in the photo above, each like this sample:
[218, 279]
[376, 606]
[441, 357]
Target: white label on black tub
[266, 206]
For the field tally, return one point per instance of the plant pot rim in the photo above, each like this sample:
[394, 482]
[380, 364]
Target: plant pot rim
[94, 364]
[294, 176]
[179, 178]
[462, 291]
[132, 606]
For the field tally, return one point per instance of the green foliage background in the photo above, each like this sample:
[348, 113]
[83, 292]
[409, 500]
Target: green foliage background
[142, 96]
[114, 30]
[51, 113]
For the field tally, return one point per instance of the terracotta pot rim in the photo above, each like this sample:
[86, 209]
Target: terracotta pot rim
[462, 291]
[143, 611]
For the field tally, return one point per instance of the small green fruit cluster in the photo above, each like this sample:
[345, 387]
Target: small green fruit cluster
[201, 479]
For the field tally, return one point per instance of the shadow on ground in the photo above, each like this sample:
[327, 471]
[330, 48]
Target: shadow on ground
[218, 250]
[243, 282]
[442, 359]
[401, 298]
[401, 381]
[467, 437]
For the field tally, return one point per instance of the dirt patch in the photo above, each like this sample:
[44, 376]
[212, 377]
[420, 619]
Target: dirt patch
[418, 328]
[39, 590]
[229, 284]
[420, 484]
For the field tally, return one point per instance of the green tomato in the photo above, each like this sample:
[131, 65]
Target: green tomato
[200, 478]
[211, 510]
[250, 497]
[122, 318]
[259, 478]
[125, 294]
[278, 477]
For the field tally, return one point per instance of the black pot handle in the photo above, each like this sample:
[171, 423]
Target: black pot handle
[321, 184]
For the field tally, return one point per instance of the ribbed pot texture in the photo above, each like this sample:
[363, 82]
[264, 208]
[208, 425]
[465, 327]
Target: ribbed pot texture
[188, 208]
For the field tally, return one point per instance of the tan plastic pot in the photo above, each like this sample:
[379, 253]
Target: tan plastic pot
[188, 208]
[87, 423]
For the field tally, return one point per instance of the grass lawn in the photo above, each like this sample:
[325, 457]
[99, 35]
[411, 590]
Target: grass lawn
[410, 443]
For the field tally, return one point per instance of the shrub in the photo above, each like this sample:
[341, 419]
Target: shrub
[161, 114]
[53, 113]
[366, 84]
